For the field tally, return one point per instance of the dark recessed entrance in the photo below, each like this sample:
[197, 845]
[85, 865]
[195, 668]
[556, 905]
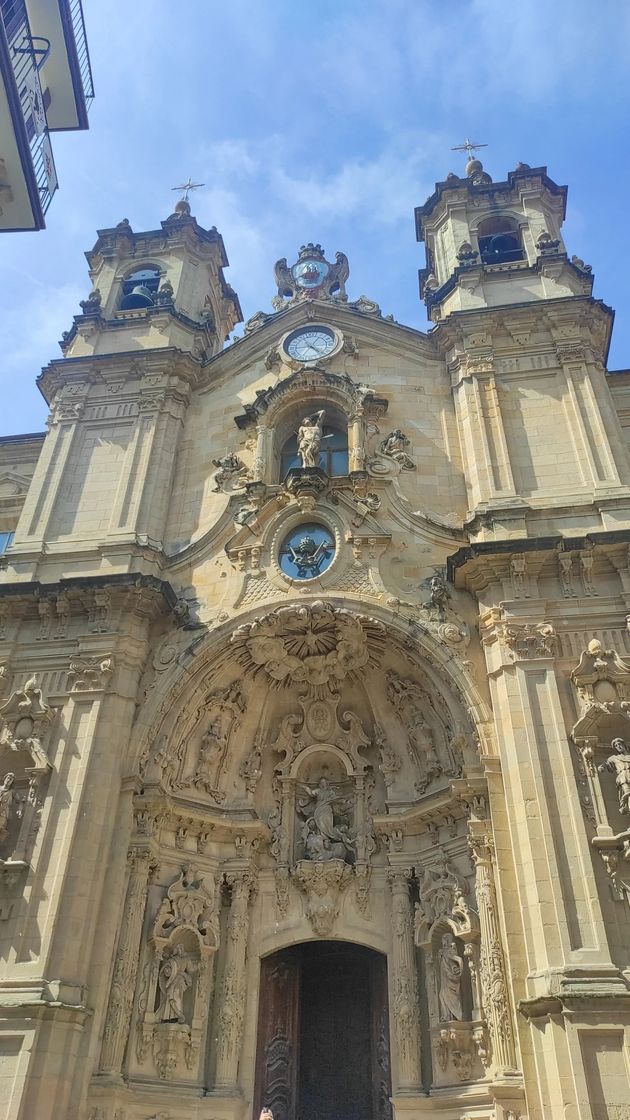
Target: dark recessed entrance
[323, 1037]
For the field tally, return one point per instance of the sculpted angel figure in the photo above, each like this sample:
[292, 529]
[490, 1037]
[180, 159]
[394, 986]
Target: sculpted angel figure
[310, 435]
[619, 764]
[451, 968]
[321, 831]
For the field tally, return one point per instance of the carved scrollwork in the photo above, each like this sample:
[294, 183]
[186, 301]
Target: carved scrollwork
[90, 674]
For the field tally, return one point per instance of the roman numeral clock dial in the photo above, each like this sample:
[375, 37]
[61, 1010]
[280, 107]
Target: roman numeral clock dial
[310, 343]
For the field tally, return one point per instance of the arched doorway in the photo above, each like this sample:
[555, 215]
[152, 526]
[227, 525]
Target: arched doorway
[323, 1034]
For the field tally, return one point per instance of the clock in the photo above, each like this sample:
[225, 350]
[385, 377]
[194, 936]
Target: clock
[307, 344]
[310, 273]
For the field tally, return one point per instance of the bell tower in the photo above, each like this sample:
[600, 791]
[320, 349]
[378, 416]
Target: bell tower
[496, 244]
[157, 288]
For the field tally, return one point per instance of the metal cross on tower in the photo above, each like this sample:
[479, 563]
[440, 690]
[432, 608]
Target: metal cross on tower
[187, 187]
[468, 146]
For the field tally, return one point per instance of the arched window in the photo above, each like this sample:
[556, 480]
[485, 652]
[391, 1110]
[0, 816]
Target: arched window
[333, 455]
[139, 289]
[499, 241]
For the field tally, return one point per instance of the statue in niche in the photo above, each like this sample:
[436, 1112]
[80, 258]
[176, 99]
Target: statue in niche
[325, 833]
[174, 981]
[309, 438]
[451, 968]
[619, 765]
[394, 446]
[7, 797]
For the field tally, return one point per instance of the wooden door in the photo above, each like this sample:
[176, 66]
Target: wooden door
[277, 1045]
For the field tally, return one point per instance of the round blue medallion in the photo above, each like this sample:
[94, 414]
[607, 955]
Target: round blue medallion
[307, 551]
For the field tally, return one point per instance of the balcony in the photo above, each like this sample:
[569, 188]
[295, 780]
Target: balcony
[65, 73]
[45, 86]
[27, 171]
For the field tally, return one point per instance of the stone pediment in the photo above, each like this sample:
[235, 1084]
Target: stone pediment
[360, 322]
[13, 487]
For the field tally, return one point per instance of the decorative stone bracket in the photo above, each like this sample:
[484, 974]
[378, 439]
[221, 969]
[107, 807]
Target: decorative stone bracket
[323, 885]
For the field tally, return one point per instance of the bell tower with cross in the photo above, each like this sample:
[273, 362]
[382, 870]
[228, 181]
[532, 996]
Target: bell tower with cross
[495, 244]
[156, 288]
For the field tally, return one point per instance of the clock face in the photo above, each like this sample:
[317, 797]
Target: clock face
[309, 273]
[310, 343]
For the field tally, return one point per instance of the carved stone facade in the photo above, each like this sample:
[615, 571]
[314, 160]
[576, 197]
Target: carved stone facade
[315, 671]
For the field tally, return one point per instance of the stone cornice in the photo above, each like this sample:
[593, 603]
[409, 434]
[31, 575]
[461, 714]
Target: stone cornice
[123, 581]
[461, 189]
[122, 322]
[125, 367]
[465, 559]
[451, 331]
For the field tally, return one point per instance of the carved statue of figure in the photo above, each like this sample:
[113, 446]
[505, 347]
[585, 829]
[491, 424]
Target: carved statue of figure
[451, 968]
[310, 435]
[30, 694]
[227, 467]
[321, 831]
[439, 595]
[395, 447]
[619, 764]
[174, 980]
[7, 795]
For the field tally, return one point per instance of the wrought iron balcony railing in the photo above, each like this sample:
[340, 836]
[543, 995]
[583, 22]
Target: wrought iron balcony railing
[27, 55]
[83, 54]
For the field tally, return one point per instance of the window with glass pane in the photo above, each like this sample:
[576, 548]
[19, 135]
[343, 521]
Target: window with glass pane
[5, 541]
[333, 455]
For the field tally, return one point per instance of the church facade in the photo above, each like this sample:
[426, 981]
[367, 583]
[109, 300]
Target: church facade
[315, 785]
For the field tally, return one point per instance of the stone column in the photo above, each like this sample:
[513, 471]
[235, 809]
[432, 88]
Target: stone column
[404, 983]
[494, 984]
[233, 991]
[260, 467]
[126, 964]
[356, 442]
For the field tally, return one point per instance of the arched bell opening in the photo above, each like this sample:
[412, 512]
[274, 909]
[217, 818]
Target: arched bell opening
[322, 1047]
[500, 240]
[139, 288]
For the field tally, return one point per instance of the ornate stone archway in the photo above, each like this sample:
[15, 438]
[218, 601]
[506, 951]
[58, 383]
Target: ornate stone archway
[307, 773]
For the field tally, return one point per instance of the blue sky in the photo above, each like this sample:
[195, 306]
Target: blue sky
[323, 121]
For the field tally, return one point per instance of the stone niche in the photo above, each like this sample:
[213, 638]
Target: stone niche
[601, 736]
[447, 932]
[24, 769]
[177, 976]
